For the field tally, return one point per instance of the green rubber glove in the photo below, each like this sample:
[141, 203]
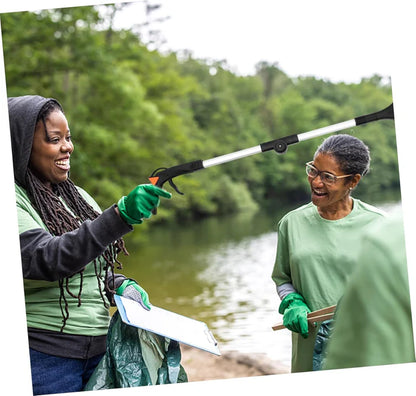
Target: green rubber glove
[131, 289]
[294, 310]
[138, 205]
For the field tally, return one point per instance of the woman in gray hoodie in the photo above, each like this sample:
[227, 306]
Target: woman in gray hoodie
[69, 248]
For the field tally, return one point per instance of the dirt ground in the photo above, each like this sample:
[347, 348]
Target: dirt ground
[200, 365]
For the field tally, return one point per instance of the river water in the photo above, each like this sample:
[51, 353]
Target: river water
[218, 271]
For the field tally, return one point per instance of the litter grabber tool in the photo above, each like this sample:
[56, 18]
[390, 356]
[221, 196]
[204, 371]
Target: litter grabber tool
[316, 316]
[163, 175]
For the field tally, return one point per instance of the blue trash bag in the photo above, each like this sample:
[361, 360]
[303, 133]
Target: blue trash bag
[321, 342]
[136, 357]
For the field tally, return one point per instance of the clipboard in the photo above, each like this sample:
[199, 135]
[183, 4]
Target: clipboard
[167, 324]
[316, 316]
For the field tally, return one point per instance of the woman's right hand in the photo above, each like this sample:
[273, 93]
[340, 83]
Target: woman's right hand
[140, 203]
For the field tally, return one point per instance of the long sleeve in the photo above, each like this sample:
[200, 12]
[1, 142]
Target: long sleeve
[45, 257]
[281, 271]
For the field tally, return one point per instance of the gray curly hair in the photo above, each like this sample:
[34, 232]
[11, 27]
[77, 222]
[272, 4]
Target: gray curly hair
[352, 155]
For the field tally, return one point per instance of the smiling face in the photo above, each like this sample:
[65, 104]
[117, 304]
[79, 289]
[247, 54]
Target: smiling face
[51, 149]
[335, 198]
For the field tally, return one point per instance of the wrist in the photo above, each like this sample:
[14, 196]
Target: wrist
[122, 287]
[291, 299]
[121, 205]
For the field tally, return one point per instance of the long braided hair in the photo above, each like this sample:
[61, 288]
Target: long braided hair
[59, 220]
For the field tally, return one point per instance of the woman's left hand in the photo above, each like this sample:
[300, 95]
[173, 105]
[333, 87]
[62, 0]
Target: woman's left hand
[132, 290]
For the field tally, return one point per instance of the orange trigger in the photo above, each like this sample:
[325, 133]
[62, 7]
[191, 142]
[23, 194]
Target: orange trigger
[154, 180]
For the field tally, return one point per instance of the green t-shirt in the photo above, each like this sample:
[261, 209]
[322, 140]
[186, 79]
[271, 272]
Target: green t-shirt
[43, 309]
[373, 322]
[318, 256]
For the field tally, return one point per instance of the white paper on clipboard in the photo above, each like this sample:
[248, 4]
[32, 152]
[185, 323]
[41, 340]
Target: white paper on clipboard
[168, 324]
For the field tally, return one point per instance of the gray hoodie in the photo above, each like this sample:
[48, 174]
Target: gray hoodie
[50, 258]
[23, 114]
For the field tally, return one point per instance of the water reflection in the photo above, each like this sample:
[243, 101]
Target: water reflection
[245, 297]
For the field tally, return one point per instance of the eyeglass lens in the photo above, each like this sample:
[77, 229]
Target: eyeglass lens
[326, 177]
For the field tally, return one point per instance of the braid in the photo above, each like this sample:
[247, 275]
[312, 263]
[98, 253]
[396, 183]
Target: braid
[59, 220]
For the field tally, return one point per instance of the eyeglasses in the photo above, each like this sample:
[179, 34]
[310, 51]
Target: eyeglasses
[326, 177]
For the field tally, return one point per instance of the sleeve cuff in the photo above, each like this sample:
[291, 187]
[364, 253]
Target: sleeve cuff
[285, 289]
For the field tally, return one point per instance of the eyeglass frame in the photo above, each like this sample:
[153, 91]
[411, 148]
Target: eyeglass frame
[336, 177]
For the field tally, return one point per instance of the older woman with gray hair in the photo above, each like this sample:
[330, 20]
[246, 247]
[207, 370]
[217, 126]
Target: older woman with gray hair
[317, 242]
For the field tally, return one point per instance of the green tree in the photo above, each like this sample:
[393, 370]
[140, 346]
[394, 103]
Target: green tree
[132, 110]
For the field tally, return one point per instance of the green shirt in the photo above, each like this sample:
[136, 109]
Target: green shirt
[373, 323]
[43, 310]
[318, 256]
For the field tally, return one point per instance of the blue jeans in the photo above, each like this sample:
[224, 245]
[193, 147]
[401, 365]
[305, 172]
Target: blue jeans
[53, 374]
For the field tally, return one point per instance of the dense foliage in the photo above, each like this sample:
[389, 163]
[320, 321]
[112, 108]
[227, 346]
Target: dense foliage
[132, 110]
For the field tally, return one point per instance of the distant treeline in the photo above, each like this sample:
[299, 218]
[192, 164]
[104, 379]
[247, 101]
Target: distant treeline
[132, 110]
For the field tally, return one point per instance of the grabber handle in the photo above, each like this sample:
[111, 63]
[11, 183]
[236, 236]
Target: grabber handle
[162, 175]
[387, 113]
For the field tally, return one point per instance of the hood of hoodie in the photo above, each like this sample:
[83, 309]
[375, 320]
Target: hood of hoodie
[23, 115]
